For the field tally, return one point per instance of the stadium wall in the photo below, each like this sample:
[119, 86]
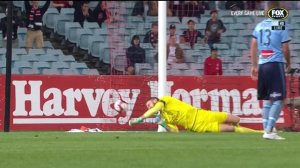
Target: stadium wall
[41, 102]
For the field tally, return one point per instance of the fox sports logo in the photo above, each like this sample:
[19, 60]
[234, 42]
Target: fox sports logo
[278, 13]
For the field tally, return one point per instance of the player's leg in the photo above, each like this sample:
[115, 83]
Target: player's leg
[277, 93]
[238, 129]
[232, 119]
[265, 112]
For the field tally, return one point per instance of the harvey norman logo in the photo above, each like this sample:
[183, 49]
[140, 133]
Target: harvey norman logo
[278, 13]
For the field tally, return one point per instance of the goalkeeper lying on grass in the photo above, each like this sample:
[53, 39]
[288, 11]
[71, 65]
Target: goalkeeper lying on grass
[177, 113]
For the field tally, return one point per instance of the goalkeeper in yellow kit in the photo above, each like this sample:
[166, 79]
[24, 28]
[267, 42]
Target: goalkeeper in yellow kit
[177, 113]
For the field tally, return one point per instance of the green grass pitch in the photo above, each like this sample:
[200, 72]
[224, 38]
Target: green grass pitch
[146, 149]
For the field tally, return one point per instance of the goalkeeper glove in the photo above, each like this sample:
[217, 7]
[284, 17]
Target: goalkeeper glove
[160, 121]
[135, 121]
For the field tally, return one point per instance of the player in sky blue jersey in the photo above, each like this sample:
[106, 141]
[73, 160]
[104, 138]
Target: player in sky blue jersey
[268, 50]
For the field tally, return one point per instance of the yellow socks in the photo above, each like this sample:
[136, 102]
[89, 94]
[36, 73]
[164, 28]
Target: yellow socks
[246, 130]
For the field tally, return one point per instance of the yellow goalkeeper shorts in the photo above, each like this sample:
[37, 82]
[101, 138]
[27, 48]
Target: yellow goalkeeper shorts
[208, 121]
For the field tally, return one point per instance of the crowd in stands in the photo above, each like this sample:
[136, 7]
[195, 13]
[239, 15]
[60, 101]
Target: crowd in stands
[135, 53]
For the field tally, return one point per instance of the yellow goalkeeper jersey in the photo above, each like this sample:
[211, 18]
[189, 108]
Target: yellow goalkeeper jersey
[174, 112]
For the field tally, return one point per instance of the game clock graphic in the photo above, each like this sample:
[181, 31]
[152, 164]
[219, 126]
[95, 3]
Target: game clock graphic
[278, 25]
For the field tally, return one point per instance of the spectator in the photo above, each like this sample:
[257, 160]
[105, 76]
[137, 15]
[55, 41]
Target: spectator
[3, 26]
[34, 23]
[174, 53]
[212, 64]
[85, 14]
[101, 13]
[169, 9]
[61, 4]
[191, 35]
[135, 54]
[138, 9]
[152, 35]
[153, 8]
[214, 28]
[77, 5]
[172, 32]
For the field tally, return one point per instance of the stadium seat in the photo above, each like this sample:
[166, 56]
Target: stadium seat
[69, 12]
[295, 20]
[48, 18]
[91, 25]
[203, 20]
[196, 66]
[60, 65]
[22, 64]
[94, 41]
[239, 40]
[227, 20]
[295, 47]
[93, 4]
[188, 58]
[182, 66]
[106, 55]
[51, 71]
[140, 67]
[134, 19]
[120, 62]
[70, 30]
[82, 38]
[186, 19]
[2, 51]
[18, 51]
[230, 33]
[104, 52]
[2, 15]
[95, 49]
[59, 23]
[258, 19]
[229, 73]
[78, 65]
[70, 72]
[90, 72]
[190, 72]
[15, 58]
[22, 31]
[244, 19]
[36, 51]
[251, 26]
[48, 58]
[151, 19]
[19, 4]
[221, 46]
[48, 45]
[224, 13]
[245, 33]
[30, 58]
[175, 72]
[237, 26]
[17, 70]
[68, 59]
[201, 26]
[173, 20]
[54, 52]
[30, 71]
[41, 65]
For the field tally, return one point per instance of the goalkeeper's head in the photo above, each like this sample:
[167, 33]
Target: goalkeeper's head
[151, 102]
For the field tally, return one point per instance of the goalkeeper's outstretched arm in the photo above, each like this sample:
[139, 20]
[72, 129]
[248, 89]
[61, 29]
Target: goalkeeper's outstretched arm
[151, 112]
